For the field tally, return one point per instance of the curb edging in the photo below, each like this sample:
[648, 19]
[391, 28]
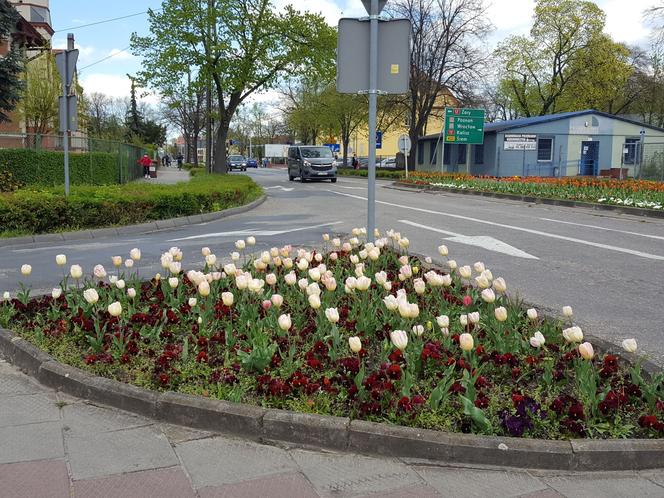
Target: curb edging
[635, 211]
[333, 433]
[142, 228]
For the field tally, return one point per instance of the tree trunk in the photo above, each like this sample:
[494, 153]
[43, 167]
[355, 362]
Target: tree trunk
[219, 166]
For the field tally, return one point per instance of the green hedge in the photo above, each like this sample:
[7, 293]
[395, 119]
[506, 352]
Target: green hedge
[380, 173]
[47, 210]
[39, 167]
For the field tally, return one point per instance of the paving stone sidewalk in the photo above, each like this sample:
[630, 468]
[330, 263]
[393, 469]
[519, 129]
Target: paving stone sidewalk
[53, 445]
[168, 176]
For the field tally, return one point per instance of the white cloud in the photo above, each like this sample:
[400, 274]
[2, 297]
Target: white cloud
[116, 86]
[624, 20]
[514, 17]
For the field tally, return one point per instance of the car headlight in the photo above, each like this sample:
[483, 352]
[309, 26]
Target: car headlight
[244, 164]
[307, 163]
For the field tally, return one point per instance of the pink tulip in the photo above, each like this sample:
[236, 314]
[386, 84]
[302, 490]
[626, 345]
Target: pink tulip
[467, 301]
[267, 304]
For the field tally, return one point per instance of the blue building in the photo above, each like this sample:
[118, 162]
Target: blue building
[588, 143]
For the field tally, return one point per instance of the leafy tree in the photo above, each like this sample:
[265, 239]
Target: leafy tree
[39, 101]
[11, 67]
[140, 129]
[242, 46]
[566, 63]
[445, 56]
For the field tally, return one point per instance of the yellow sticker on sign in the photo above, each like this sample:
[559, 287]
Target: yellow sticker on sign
[394, 69]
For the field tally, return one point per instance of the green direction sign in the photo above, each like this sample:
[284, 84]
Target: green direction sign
[464, 126]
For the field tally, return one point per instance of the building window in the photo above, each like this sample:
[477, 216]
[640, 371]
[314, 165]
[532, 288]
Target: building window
[432, 152]
[631, 145]
[479, 154]
[545, 149]
[420, 152]
[447, 153]
[462, 152]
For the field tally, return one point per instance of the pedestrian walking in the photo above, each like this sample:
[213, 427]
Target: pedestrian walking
[180, 160]
[355, 163]
[168, 161]
[145, 161]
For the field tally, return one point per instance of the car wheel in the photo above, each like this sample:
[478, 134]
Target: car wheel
[291, 178]
[334, 180]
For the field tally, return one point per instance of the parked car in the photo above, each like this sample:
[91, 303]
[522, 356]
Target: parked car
[252, 162]
[236, 162]
[390, 162]
[310, 162]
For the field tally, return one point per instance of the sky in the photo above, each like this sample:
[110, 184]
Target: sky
[624, 23]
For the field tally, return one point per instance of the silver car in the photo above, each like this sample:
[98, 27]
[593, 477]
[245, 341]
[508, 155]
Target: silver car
[310, 162]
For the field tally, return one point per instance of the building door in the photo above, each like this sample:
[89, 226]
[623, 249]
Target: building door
[589, 159]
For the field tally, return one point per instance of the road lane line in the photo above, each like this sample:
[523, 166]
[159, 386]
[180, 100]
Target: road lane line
[255, 232]
[604, 228]
[511, 227]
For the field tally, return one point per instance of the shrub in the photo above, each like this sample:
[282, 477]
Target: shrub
[8, 183]
[40, 167]
[47, 210]
[380, 173]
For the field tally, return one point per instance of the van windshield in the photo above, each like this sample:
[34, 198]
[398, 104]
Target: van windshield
[316, 152]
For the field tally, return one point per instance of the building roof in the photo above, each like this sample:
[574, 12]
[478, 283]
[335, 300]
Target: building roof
[500, 126]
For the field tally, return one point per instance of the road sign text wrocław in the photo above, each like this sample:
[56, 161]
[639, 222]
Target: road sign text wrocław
[464, 126]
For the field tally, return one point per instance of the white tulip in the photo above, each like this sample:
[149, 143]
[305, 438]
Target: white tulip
[500, 285]
[420, 286]
[26, 270]
[227, 298]
[326, 237]
[61, 260]
[204, 289]
[314, 301]
[56, 293]
[131, 292]
[91, 296]
[240, 245]
[567, 311]
[452, 264]
[488, 296]
[463, 319]
[312, 289]
[573, 334]
[532, 314]
[173, 282]
[277, 300]
[482, 282]
[391, 302]
[355, 344]
[332, 315]
[6, 295]
[466, 342]
[120, 284]
[284, 322]
[399, 339]
[235, 256]
[500, 313]
[629, 345]
[192, 302]
[474, 317]
[290, 278]
[176, 252]
[271, 279]
[479, 267]
[76, 271]
[363, 283]
[265, 257]
[210, 259]
[443, 321]
[99, 271]
[135, 254]
[241, 282]
[488, 275]
[537, 340]
[443, 251]
[418, 330]
[465, 272]
[115, 309]
[251, 241]
[586, 351]
[314, 274]
[129, 263]
[117, 261]
[113, 279]
[205, 251]
[175, 267]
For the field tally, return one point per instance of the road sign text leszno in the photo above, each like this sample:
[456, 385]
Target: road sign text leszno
[464, 126]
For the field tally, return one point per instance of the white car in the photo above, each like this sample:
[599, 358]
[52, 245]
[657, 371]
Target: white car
[390, 162]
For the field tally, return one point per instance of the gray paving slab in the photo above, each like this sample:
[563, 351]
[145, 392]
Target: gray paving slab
[105, 454]
[290, 485]
[656, 476]
[217, 461]
[39, 479]
[20, 409]
[162, 483]
[178, 434]
[480, 483]
[82, 418]
[407, 492]
[31, 442]
[604, 486]
[336, 474]
[11, 382]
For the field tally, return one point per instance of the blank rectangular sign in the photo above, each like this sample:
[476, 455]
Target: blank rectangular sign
[393, 56]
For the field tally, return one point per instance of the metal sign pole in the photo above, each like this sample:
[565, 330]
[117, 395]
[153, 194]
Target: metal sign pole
[70, 46]
[373, 97]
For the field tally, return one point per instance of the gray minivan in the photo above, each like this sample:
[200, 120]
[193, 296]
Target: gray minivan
[311, 162]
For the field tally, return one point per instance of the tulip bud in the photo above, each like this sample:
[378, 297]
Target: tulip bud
[532, 314]
[115, 309]
[6, 295]
[199, 320]
[629, 345]
[210, 259]
[443, 321]
[290, 278]
[465, 272]
[479, 267]
[129, 263]
[537, 340]
[463, 319]
[443, 251]
[91, 296]
[277, 300]
[420, 286]
[227, 298]
[488, 296]
[251, 241]
[76, 271]
[99, 272]
[586, 351]
[240, 245]
[573, 334]
[466, 342]
[173, 282]
[120, 284]
[452, 264]
[192, 302]
[391, 302]
[26, 270]
[399, 339]
[363, 283]
[500, 285]
[271, 279]
[314, 301]
[482, 282]
[355, 344]
[56, 292]
[61, 260]
[474, 317]
[205, 251]
[332, 315]
[284, 322]
[567, 311]
[204, 289]
[265, 257]
[131, 292]
[135, 254]
[501, 314]
[117, 261]
[418, 330]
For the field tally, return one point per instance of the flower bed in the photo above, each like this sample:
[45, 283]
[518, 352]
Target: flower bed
[30, 211]
[632, 193]
[359, 329]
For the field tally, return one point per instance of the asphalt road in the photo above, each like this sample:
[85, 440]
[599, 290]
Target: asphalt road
[609, 267]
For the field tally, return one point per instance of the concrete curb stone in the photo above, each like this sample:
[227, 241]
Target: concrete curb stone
[651, 213]
[148, 227]
[335, 433]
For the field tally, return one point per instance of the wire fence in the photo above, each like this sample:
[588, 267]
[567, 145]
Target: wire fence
[92, 160]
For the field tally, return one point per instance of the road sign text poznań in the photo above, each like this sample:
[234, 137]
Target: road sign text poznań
[464, 126]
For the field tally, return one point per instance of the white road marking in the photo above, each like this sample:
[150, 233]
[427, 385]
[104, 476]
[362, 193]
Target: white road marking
[511, 227]
[352, 188]
[279, 186]
[483, 241]
[604, 228]
[256, 233]
[79, 246]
